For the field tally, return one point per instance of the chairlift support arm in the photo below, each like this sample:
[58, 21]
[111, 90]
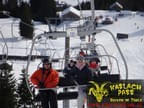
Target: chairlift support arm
[31, 50]
[106, 54]
[28, 62]
[121, 54]
[5, 44]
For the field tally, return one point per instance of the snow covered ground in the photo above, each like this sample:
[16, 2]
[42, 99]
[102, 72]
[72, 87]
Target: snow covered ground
[132, 48]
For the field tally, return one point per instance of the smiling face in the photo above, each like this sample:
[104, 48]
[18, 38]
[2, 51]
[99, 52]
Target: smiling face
[71, 63]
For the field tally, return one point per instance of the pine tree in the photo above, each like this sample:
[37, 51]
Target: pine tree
[35, 6]
[43, 9]
[8, 97]
[11, 4]
[1, 5]
[87, 5]
[26, 26]
[25, 98]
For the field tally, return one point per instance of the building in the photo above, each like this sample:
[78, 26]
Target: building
[70, 14]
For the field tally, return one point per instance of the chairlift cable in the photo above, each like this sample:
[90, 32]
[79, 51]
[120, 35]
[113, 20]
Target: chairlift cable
[12, 24]
[53, 47]
[50, 50]
[5, 45]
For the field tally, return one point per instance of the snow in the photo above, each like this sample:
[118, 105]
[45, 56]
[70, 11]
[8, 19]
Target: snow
[131, 23]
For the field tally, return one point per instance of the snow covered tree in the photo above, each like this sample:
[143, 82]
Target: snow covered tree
[26, 26]
[34, 7]
[8, 96]
[25, 98]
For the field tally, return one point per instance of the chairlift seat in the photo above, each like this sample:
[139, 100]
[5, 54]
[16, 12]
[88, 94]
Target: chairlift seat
[102, 68]
[65, 82]
[122, 36]
[67, 95]
[107, 77]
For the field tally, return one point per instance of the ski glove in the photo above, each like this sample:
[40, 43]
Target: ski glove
[41, 85]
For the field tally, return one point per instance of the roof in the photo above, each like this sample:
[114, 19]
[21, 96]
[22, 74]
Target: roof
[71, 9]
[116, 4]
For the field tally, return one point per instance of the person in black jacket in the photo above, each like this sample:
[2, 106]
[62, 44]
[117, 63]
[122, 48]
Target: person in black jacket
[81, 72]
[69, 68]
[68, 80]
[82, 75]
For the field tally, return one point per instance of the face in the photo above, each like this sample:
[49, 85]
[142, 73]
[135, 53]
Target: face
[47, 65]
[71, 63]
[80, 60]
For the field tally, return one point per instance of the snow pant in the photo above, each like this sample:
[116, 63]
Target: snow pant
[48, 98]
[81, 97]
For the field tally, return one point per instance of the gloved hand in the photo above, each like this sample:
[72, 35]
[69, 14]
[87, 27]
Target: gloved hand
[41, 85]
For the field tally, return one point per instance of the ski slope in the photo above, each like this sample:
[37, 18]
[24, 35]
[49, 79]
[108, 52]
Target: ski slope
[132, 48]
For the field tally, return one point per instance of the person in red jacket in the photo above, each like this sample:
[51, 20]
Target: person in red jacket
[94, 66]
[46, 77]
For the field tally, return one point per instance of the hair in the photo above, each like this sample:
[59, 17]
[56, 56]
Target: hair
[46, 60]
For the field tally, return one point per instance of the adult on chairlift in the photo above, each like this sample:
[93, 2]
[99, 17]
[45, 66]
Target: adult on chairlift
[69, 68]
[82, 75]
[46, 77]
[94, 66]
[94, 63]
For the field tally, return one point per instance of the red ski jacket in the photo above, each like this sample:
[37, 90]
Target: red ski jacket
[50, 79]
[93, 65]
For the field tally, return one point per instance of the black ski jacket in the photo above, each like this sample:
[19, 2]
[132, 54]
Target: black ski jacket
[82, 76]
